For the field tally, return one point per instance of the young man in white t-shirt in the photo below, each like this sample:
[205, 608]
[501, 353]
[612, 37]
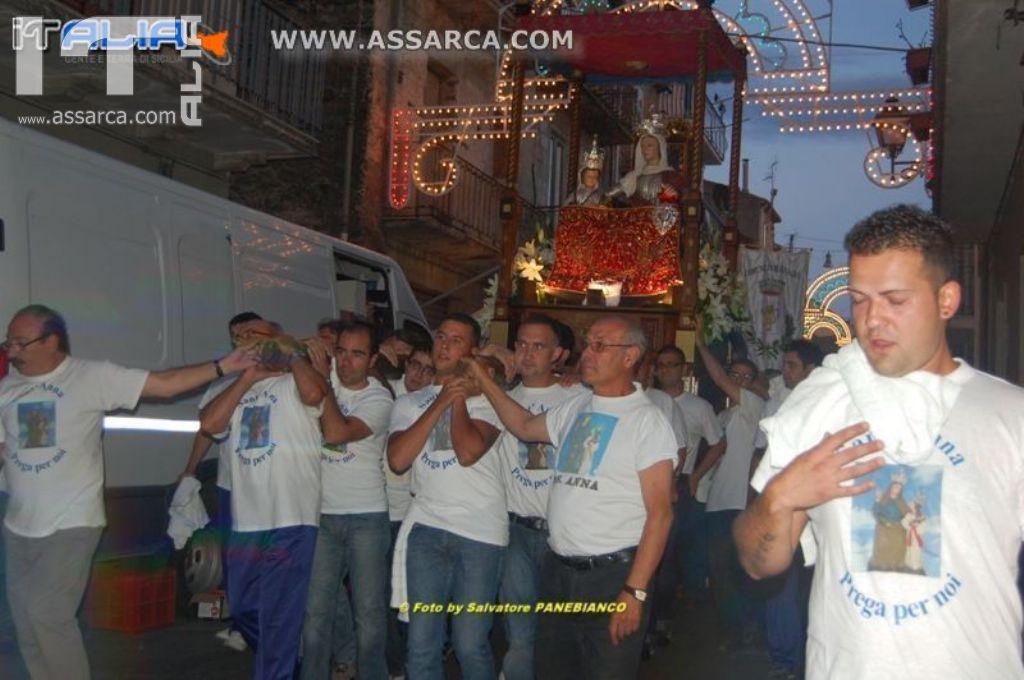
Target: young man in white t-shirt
[784, 627]
[727, 494]
[51, 425]
[609, 507]
[915, 549]
[270, 418]
[417, 374]
[701, 425]
[354, 530]
[453, 539]
[528, 468]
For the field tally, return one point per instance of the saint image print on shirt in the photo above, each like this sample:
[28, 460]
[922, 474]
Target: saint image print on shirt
[255, 427]
[441, 435]
[897, 527]
[536, 456]
[37, 424]
[583, 449]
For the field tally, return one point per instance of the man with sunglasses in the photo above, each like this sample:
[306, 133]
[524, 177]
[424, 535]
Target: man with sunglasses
[56, 515]
[609, 507]
[728, 491]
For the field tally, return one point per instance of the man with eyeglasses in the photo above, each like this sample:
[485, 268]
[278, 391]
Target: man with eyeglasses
[354, 531]
[55, 517]
[728, 492]
[609, 507]
[450, 549]
[528, 468]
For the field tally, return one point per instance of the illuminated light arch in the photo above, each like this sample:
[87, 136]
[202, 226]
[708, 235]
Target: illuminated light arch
[824, 291]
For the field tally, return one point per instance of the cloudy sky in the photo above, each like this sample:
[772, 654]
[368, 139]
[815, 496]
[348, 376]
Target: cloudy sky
[819, 176]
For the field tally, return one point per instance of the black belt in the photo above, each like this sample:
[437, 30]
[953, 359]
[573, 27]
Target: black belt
[588, 562]
[535, 523]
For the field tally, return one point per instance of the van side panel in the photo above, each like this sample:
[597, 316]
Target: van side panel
[284, 277]
[203, 256]
[13, 209]
[99, 266]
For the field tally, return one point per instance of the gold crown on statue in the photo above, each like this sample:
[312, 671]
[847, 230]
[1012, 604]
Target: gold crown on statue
[594, 159]
[656, 124]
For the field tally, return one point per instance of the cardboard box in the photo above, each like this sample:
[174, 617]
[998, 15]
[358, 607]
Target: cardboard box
[210, 605]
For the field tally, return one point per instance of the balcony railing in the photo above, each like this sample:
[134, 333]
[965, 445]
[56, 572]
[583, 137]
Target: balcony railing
[675, 100]
[473, 209]
[286, 84]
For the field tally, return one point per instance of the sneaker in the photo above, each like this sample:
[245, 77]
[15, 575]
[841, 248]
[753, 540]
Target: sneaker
[663, 633]
[223, 635]
[343, 671]
[235, 641]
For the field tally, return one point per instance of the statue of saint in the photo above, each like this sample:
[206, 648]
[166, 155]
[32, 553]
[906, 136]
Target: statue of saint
[588, 190]
[652, 180]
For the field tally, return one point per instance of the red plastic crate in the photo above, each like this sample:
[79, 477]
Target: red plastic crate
[130, 601]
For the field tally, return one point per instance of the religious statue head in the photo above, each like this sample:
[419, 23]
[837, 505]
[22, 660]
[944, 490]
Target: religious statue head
[593, 162]
[651, 146]
[650, 149]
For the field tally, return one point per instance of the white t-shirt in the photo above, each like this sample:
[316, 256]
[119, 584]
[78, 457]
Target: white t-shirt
[595, 504]
[777, 393]
[353, 473]
[397, 486]
[668, 406]
[274, 447]
[728, 490]
[701, 423]
[467, 501]
[528, 467]
[52, 426]
[922, 583]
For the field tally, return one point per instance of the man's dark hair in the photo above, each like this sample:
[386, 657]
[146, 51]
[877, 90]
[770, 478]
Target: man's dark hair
[809, 353]
[411, 334]
[566, 337]
[420, 347]
[359, 326]
[53, 324]
[906, 227]
[745, 362]
[672, 349]
[547, 321]
[465, 320]
[243, 317]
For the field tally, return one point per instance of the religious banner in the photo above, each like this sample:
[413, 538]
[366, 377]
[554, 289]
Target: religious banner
[634, 246]
[776, 282]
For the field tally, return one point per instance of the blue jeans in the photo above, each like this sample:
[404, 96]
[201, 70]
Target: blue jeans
[729, 583]
[353, 545]
[520, 584]
[692, 543]
[785, 623]
[442, 568]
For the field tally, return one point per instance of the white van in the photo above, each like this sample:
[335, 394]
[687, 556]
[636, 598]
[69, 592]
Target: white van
[147, 272]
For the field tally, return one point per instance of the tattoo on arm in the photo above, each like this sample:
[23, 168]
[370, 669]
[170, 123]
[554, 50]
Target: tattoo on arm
[764, 546]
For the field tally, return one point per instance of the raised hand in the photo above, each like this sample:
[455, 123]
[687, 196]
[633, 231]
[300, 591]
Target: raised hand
[818, 475]
[239, 360]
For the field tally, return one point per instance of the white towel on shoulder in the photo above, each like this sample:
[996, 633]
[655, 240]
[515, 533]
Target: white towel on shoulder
[187, 512]
[905, 413]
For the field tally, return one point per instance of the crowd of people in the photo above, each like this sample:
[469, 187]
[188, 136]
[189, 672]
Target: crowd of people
[389, 499]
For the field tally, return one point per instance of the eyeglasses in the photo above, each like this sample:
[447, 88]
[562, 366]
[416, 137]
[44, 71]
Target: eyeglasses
[599, 346]
[19, 344]
[414, 366]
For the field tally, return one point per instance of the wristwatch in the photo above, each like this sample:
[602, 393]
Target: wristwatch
[638, 593]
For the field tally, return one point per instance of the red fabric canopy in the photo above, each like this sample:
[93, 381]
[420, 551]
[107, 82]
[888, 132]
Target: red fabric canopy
[639, 44]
